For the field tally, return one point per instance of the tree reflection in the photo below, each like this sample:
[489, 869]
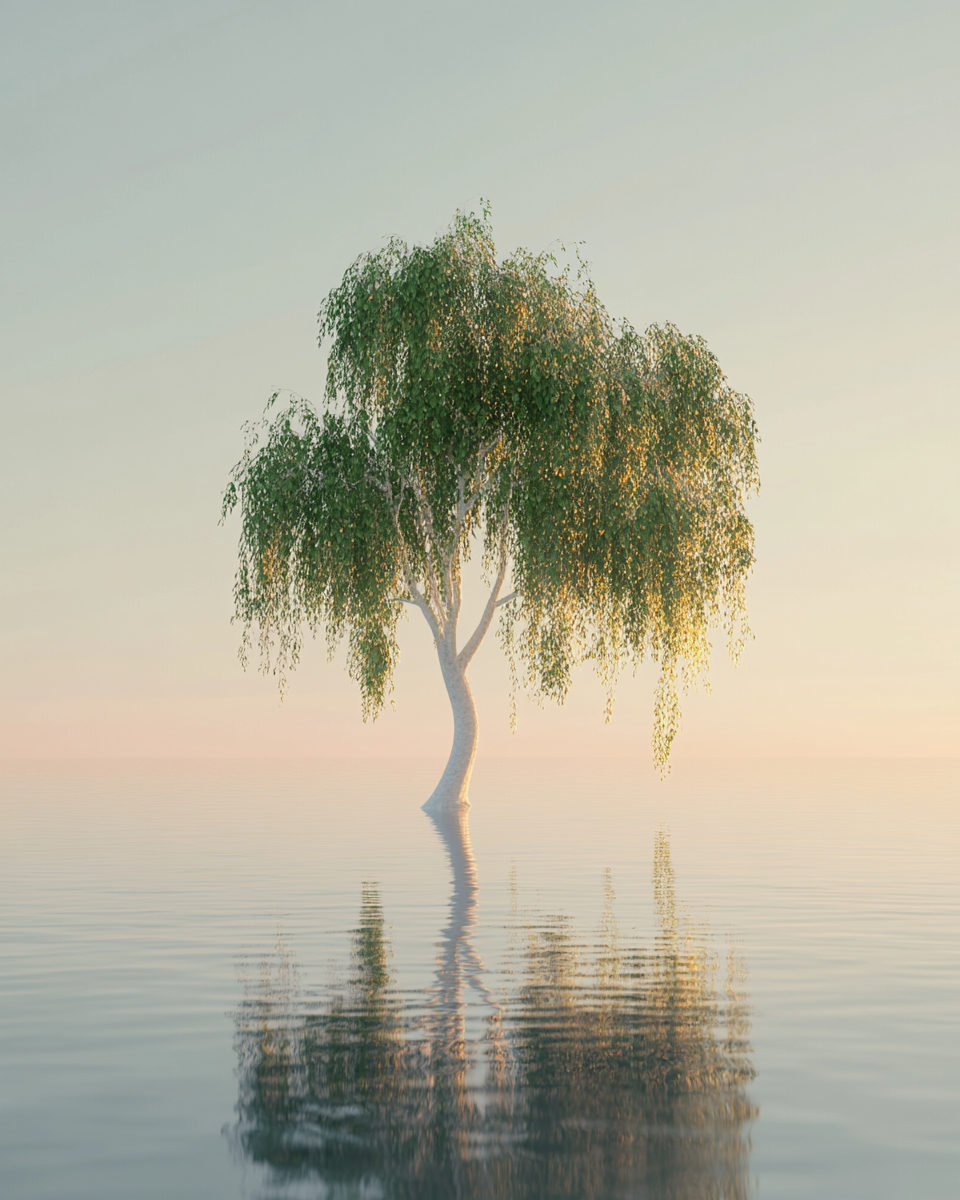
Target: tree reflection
[608, 1068]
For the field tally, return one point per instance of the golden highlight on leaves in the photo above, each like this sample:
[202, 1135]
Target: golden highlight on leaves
[476, 403]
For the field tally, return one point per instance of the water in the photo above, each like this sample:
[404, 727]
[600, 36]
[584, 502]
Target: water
[257, 979]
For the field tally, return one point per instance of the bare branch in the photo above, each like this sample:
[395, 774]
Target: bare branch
[417, 597]
[457, 593]
[493, 602]
[425, 517]
[421, 603]
[452, 608]
[461, 501]
[470, 649]
[507, 599]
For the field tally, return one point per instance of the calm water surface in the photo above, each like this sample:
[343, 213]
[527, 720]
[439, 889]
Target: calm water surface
[285, 980]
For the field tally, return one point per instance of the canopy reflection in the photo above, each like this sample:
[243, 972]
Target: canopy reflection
[605, 1068]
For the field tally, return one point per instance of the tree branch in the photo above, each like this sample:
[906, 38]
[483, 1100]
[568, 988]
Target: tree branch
[470, 649]
[417, 597]
[421, 603]
[425, 516]
[451, 608]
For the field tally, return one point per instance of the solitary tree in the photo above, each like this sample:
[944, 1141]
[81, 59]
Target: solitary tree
[477, 404]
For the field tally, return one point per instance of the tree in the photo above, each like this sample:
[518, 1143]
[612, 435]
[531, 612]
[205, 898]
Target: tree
[480, 404]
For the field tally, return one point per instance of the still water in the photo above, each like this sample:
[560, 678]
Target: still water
[285, 980]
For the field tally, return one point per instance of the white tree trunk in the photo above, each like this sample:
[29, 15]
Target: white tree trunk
[452, 792]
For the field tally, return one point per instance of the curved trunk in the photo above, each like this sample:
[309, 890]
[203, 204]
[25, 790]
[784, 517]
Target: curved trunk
[452, 790]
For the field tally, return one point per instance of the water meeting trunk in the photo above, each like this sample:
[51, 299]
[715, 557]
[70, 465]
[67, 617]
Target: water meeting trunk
[452, 792]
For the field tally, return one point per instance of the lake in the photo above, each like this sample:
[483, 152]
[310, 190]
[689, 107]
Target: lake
[282, 979]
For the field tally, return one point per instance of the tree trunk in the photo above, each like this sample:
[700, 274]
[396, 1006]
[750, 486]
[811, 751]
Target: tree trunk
[452, 792]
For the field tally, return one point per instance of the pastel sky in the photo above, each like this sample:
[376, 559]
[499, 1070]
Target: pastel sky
[185, 180]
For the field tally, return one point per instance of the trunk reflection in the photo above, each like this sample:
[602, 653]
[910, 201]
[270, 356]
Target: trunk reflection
[607, 1068]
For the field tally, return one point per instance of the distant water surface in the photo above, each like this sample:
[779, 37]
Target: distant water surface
[285, 980]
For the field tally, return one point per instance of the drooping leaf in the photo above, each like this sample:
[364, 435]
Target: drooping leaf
[474, 398]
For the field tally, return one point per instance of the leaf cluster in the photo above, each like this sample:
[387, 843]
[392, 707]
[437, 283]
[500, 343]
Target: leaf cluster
[473, 401]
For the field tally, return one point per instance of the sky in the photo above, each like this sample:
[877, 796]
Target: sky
[183, 183]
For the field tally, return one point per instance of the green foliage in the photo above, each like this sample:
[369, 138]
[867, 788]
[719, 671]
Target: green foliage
[471, 401]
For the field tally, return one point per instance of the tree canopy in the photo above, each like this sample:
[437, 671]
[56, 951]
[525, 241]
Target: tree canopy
[479, 403]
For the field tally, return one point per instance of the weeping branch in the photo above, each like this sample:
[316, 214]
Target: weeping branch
[472, 396]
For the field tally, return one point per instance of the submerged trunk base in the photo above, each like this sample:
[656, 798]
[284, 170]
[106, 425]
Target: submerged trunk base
[452, 793]
[448, 798]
